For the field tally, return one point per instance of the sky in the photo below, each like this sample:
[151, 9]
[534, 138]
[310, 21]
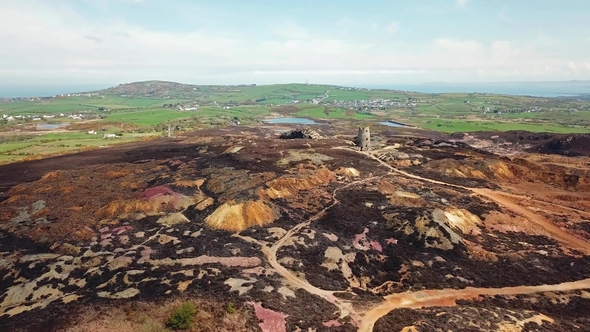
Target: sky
[346, 42]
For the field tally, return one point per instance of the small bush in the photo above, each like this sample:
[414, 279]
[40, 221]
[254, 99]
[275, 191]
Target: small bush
[230, 308]
[182, 317]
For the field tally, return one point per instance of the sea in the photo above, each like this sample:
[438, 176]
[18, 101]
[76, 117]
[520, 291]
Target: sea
[37, 90]
[535, 89]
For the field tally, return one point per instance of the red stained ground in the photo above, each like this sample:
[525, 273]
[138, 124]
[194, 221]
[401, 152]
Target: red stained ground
[272, 321]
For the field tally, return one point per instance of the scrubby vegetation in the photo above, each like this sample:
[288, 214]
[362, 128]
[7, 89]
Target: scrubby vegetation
[139, 316]
[182, 317]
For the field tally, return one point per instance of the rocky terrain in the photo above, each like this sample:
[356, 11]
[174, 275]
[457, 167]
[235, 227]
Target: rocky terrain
[420, 234]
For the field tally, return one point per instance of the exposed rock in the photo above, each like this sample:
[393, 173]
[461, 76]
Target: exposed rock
[233, 216]
[301, 133]
[173, 219]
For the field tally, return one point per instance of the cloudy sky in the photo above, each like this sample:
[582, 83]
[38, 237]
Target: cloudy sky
[271, 41]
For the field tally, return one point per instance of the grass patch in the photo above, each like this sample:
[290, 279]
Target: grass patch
[142, 316]
[457, 125]
[148, 117]
[182, 317]
[318, 112]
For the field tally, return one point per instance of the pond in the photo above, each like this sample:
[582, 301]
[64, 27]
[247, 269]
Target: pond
[394, 124]
[304, 121]
[51, 126]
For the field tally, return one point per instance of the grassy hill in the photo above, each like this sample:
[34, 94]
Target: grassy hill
[140, 109]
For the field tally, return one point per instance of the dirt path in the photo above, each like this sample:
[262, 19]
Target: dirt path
[346, 308]
[425, 298]
[542, 202]
[547, 226]
[500, 198]
[448, 297]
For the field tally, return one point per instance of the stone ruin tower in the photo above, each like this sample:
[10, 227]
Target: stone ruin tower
[363, 139]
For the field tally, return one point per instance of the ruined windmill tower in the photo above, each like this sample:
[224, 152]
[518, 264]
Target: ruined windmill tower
[363, 139]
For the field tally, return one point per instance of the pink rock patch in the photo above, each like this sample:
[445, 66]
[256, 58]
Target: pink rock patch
[361, 242]
[145, 255]
[162, 195]
[332, 323]
[377, 246]
[272, 321]
[256, 270]
[122, 229]
[391, 241]
[154, 192]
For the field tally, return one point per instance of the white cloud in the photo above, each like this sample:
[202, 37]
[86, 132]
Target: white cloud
[462, 3]
[58, 43]
[291, 30]
[392, 28]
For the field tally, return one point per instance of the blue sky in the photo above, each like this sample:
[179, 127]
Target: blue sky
[263, 41]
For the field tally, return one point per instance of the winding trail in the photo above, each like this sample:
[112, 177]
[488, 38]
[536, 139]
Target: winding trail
[498, 197]
[542, 202]
[546, 225]
[346, 308]
[448, 297]
[424, 298]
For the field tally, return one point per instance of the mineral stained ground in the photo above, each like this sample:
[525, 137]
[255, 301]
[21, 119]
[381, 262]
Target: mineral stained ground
[422, 233]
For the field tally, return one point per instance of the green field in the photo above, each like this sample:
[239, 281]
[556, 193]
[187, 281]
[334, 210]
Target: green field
[148, 117]
[149, 108]
[58, 143]
[453, 125]
[334, 113]
[81, 104]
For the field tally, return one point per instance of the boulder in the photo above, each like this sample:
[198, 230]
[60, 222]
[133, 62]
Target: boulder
[301, 133]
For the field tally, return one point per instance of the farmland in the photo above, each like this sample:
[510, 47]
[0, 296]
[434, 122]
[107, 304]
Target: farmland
[137, 110]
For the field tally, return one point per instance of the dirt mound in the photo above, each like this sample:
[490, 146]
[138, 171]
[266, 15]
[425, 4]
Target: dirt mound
[151, 201]
[348, 171]
[495, 171]
[460, 219]
[233, 216]
[290, 185]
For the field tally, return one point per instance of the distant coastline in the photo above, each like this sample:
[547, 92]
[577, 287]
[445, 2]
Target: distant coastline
[27, 91]
[534, 89]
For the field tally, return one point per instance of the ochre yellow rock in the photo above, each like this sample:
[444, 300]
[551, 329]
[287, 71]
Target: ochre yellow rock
[234, 216]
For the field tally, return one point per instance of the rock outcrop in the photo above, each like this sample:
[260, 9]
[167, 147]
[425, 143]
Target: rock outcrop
[301, 133]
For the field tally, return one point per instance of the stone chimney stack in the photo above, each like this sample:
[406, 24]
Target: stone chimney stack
[363, 139]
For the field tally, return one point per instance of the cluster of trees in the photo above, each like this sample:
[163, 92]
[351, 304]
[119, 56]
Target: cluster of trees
[171, 105]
